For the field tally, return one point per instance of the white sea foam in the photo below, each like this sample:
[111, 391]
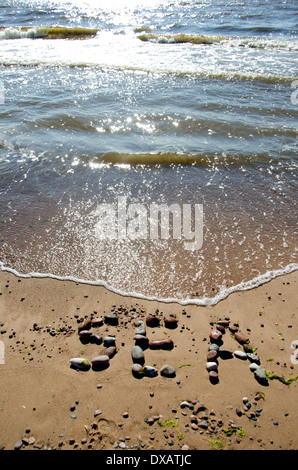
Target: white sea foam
[204, 301]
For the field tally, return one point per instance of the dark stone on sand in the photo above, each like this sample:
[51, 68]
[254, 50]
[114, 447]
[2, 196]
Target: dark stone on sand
[100, 362]
[261, 376]
[215, 336]
[211, 355]
[213, 376]
[86, 325]
[109, 341]
[142, 341]
[152, 321]
[161, 344]
[168, 371]
[225, 354]
[240, 338]
[96, 322]
[150, 371]
[85, 336]
[110, 351]
[233, 328]
[96, 338]
[221, 328]
[111, 320]
[137, 370]
[171, 322]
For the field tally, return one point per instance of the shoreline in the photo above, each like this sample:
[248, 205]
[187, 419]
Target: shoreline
[253, 283]
[44, 403]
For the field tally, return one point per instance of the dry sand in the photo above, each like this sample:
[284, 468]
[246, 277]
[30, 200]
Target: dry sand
[50, 405]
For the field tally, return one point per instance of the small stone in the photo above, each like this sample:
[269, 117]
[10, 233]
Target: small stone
[18, 445]
[253, 358]
[150, 371]
[111, 351]
[141, 341]
[240, 355]
[161, 344]
[240, 338]
[212, 355]
[211, 366]
[253, 367]
[203, 424]
[225, 354]
[171, 322]
[96, 338]
[85, 336]
[215, 336]
[96, 322]
[141, 328]
[194, 426]
[152, 321]
[111, 320]
[86, 325]
[97, 413]
[238, 411]
[80, 363]
[213, 376]
[275, 423]
[213, 347]
[261, 376]
[100, 362]
[168, 371]
[109, 341]
[137, 355]
[233, 328]
[31, 440]
[137, 370]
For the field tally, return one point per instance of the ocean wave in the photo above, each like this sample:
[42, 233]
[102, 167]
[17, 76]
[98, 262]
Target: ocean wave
[156, 70]
[47, 32]
[199, 39]
[165, 159]
[204, 301]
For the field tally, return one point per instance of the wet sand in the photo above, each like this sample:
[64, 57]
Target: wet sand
[46, 404]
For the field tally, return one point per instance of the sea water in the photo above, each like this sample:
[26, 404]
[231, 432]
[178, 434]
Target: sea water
[159, 103]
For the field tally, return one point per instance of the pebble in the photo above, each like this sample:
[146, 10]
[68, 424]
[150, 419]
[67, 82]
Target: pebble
[141, 341]
[100, 362]
[171, 322]
[109, 341]
[96, 322]
[253, 367]
[18, 445]
[240, 355]
[137, 369]
[203, 424]
[85, 326]
[96, 338]
[150, 371]
[168, 371]
[141, 328]
[85, 336]
[213, 347]
[211, 366]
[111, 319]
[253, 358]
[213, 376]
[111, 351]
[240, 338]
[80, 363]
[161, 344]
[212, 355]
[215, 336]
[261, 377]
[152, 321]
[225, 354]
[137, 355]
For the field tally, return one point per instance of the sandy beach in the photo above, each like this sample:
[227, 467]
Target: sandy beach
[47, 404]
